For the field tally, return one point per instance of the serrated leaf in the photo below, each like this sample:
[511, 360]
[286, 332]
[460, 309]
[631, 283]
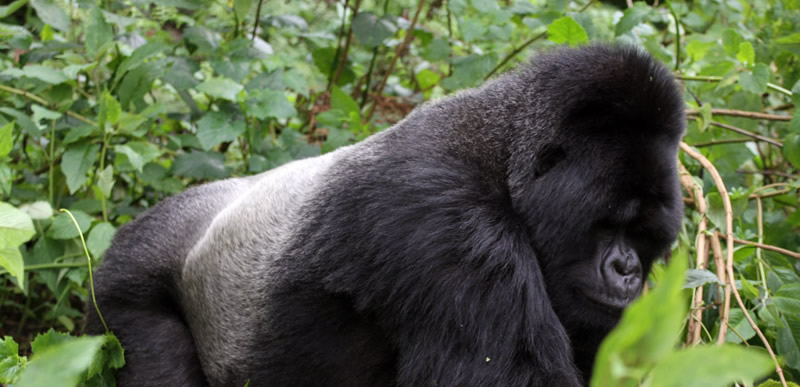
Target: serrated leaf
[11, 364]
[134, 158]
[98, 32]
[791, 149]
[52, 14]
[63, 228]
[787, 342]
[38, 209]
[105, 181]
[755, 81]
[632, 17]
[100, 238]
[739, 326]
[697, 277]
[222, 88]
[787, 299]
[138, 57]
[201, 165]
[45, 74]
[218, 127]
[264, 104]
[722, 366]
[343, 102]
[76, 163]
[41, 113]
[138, 82]
[62, 364]
[16, 228]
[110, 110]
[6, 143]
[746, 53]
[370, 30]
[566, 30]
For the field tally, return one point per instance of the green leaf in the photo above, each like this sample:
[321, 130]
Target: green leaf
[740, 325]
[63, 228]
[266, 103]
[45, 74]
[647, 331]
[755, 82]
[40, 113]
[787, 299]
[791, 149]
[241, 8]
[427, 79]
[220, 88]
[38, 209]
[201, 165]
[790, 43]
[98, 32]
[566, 30]
[51, 14]
[105, 181]
[11, 8]
[218, 127]
[343, 102]
[138, 57]
[722, 366]
[138, 82]
[468, 71]
[6, 143]
[62, 364]
[76, 162]
[796, 94]
[731, 41]
[472, 29]
[23, 120]
[370, 30]
[16, 228]
[134, 158]
[787, 343]
[100, 238]
[110, 110]
[746, 53]
[632, 17]
[11, 364]
[111, 355]
[697, 277]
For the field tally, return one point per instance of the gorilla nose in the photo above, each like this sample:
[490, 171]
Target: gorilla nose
[623, 275]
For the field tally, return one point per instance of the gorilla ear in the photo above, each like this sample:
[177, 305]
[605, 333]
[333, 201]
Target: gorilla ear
[549, 156]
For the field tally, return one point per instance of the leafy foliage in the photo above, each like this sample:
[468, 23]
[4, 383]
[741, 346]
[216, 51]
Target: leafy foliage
[108, 107]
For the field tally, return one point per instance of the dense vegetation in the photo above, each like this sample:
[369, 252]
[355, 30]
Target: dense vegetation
[108, 106]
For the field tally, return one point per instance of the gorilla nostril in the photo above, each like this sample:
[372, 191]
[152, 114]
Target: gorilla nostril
[626, 265]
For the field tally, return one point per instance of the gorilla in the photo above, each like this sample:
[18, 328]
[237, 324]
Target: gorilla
[491, 238]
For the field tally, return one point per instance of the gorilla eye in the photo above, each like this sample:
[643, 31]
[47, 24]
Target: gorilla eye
[549, 157]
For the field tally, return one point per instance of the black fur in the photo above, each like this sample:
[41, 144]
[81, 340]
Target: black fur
[454, 249]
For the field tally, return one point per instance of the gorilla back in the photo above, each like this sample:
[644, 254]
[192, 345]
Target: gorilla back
[489, 239]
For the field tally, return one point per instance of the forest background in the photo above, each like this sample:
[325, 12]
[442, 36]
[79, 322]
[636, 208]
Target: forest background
[107, 107]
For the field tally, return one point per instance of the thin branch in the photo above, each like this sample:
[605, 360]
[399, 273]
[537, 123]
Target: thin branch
[766, 247]
[719, 264]
[771, 173]
[258, 16]
[694, 328]
[743, 113]
[50, 266]
[746, 133]
[346, 50]
[42, 101]
[722, 142]
[400, 48]
[708, 78]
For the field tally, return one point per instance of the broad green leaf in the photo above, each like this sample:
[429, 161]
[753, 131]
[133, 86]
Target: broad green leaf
[436, 50]
[267, 103]
[567, 30]
[63, 228]
[790, 43]
[472, 29]
[740, 325]
[746, 53]
[324, 59]
[98, 32]
[40, 113]
[716, 210]
[697, 277]
[16, 228]
[775, 383]
[23, 120]
[110, 111]
[51, 13]
[76, 162]
[201, 165]
[138, 82]
[787, 299]
[730, 41]
[138, 57]
[133, 157]
[100, 239]
[11, 8]
[722, 366]
[697, 49]
[468, 71]
[218, 127]
[62, 364]
[427, 79]
[370, 30]
[6, 143]
[484, 6]
[38, 210]
[755, 81]
[111, 355]
[343, 102]
[46, 74]
[105, 181]
[787, 342]
[647, 332]
[221, 88]
[791, 149]
[632, 17]
[241, 8]
[796, 93]
[11, 364]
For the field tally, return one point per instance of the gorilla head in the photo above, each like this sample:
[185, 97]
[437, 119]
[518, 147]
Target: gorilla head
[490, 238]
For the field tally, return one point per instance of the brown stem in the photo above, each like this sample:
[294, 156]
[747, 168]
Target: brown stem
[746, 133]
[743, 113]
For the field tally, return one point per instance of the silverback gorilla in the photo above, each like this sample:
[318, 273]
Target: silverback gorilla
[491, 238]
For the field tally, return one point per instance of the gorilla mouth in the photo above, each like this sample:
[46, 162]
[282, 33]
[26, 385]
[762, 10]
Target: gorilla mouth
[607, 302]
